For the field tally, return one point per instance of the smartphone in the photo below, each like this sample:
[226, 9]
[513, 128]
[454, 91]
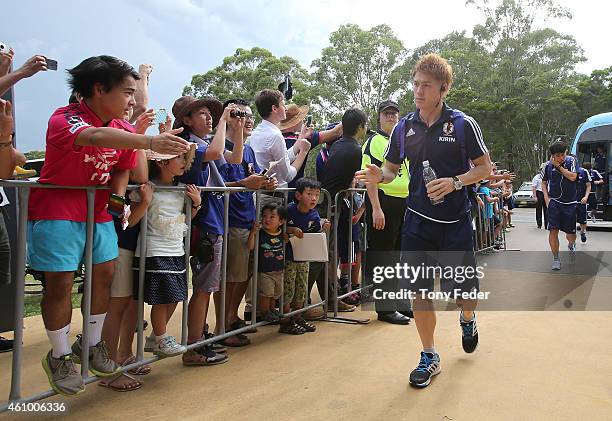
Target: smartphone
[51, 64]
[265, 170]
[161, 115]
[115, 205]
[309, 120]
[4, 48]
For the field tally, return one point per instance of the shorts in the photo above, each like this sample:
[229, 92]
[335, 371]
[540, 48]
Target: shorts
[496, 220]
[436, 246]
[5, 252]
[165, 279]
[238, 255]
[59, 246]
[562, 217]
[296, 282]
[123, 279]
[270, 284]
[207, 276]
[581, 213]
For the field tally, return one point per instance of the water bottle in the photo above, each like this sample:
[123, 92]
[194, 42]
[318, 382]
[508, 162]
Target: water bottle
[430, 175]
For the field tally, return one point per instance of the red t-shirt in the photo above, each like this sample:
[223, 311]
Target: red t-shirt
[68, 164]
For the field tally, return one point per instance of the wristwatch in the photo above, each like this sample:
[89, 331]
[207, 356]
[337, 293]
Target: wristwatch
[196, 208]
[458, 184]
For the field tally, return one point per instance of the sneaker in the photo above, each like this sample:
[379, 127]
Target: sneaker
[203, 355]
[428, 367]
[20, 173]
[6, 345]
[149, 343]
[583, 237]
[217, 347]
[63, 376]
[593, 219]
[343, 307]
[168, 347]
[571, 248]
[270, 316]
[100, 363]
[354, 299]
[556, 264]
[315, 313]
[469, 334]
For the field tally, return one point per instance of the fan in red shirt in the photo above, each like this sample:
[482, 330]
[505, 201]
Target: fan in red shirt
[88, 144]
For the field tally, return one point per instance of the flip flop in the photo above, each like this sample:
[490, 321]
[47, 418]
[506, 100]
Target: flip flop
[143, 370]
[108, 383]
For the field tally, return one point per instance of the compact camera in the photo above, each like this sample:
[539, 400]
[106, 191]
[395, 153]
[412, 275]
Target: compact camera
[238, 113]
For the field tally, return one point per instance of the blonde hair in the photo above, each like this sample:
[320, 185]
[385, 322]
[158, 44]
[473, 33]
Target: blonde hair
[436, 66]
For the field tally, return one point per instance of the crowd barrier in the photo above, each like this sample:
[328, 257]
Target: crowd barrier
[23, 188]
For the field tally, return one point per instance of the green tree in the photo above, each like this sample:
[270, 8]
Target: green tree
[359, 68]
[246, 72]
[34, 154]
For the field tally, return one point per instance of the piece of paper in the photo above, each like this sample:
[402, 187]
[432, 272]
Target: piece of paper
[311, 248]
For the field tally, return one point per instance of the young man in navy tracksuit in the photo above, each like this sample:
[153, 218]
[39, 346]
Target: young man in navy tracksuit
[449, 140]
[559, 188]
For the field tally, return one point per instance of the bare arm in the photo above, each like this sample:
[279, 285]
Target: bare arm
[32, 66]
[142, 91]
[7, 153]
[138, 209]
[109, 137]
[140, 173]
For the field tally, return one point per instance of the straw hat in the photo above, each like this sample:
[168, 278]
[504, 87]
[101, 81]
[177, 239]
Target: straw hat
[295, 115]
[156, 156]
[186, 104]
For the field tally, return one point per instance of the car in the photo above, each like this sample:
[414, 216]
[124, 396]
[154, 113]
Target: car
[524, 196]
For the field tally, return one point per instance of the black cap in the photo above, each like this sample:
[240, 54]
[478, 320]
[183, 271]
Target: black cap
[387, 104]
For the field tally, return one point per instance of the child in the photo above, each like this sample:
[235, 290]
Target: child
[271, 261]
[165, 281]
[302, 217]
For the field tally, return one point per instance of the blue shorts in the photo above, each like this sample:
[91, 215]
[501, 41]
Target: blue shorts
[581, 213]
[562, 217]
[449, 247]
[59, 246]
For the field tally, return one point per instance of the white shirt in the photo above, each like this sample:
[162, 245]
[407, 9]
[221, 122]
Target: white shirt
[166, 225]
[269, 145]
[537, 182]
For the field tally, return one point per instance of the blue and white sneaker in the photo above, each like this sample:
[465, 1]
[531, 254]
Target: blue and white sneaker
[469, 334]
[583, 236]
[571, 248]
[428, 367]
[556, 264]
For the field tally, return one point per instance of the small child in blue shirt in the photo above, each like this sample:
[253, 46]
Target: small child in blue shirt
[302, 218]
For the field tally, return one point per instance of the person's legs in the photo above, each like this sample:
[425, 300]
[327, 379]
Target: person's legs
[553, 241]
[539, 208]
[126, 331]
[112, 324]
[196, 316]
[425, 318]
[56, 309]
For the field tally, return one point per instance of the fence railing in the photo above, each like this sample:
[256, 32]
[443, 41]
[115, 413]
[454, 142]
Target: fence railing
[24, 187]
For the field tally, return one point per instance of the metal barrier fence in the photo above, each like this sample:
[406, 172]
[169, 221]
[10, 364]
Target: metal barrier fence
[24, 187]
[485, 238]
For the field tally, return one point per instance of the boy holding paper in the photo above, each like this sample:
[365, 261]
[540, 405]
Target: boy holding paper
[302, 218]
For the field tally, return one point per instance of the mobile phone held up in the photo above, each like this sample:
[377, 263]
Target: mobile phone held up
[51, 64]
[309, 120]
[4, 48]
[161, 115]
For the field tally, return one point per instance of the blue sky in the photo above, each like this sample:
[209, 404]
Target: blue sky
[184, 37]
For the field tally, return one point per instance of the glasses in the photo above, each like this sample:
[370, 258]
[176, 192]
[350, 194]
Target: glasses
[249, 117]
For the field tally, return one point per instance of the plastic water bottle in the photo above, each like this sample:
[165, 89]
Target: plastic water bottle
[430, 175]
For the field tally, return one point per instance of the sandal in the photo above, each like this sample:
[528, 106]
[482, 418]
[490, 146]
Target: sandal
[239, 324]
[110, 383]
[291, 328]
[203, 356]
[308, 327]
[143, 370]
[236, 341]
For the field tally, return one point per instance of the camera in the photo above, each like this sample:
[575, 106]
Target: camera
[238, 113]
[286, 88]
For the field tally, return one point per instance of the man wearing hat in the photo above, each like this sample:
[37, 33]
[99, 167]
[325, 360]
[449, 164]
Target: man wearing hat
[385, 211]
[293, 128]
